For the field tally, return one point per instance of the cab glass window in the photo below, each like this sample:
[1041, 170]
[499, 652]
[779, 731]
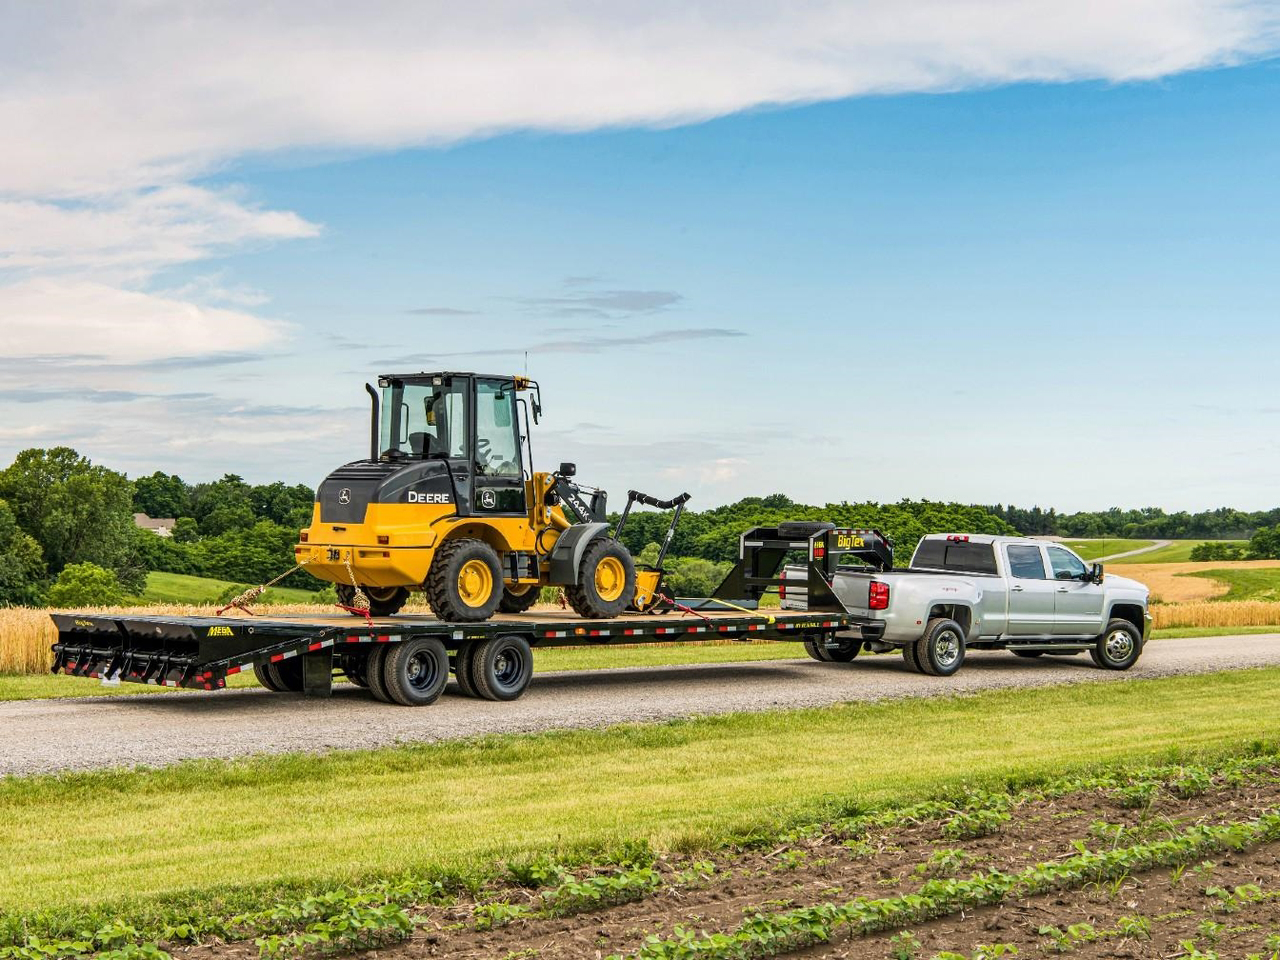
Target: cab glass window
[1066, 565]
[422, 420]
[1025, 562]
[497, 433]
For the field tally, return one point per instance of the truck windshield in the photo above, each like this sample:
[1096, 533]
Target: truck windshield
[960, 555]
[423, 420]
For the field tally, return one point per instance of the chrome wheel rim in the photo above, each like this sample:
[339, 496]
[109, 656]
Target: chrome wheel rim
[1119, 645]
[947, 648]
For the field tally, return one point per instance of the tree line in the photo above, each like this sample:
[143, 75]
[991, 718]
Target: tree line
[1147, 523]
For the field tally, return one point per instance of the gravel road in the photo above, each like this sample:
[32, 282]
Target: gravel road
[153, 730]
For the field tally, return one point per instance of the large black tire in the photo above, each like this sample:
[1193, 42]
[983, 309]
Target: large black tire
[909, 657]
[355, 667]
[513, 602]
[816, 649]
[606, 581]
[287, 674]
[940, 652]
[415, 672]
[264, 677]
[383, 601]
[1027, 654]
[845, 650]
[1119, 646]
[464, 584]
[461, 664]
[501, 667]
[377, 682]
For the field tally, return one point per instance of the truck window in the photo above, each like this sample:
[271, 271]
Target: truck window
[959, 555]
[1025, 562]
[1066, 565]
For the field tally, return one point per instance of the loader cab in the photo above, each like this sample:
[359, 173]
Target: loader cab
[466, 420]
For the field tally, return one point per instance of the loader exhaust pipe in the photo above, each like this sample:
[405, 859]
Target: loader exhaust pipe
[373, 422]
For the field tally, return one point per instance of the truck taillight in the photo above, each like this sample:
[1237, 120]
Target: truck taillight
[879, 597]
[782, 590]
[957, 538]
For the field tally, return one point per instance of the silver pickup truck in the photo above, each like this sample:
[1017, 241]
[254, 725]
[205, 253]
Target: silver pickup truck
[980, 592]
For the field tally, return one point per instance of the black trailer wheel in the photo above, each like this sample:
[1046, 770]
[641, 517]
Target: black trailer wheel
[606, 581]
[383, 601]
[355, 667]
[843, 650]
[1119, 646]
[816, 649]
[909, 657]
[1028, 654]
[501, 667]
[377, 683]
[415, 672]
[287, 674]
[464, 584]
[940, 652]
[264, 677]
[461, 664]
[519, 599]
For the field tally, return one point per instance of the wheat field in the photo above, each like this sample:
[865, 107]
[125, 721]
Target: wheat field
[1169, 583]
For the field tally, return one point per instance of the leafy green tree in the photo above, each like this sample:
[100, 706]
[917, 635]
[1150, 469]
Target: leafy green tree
[289, 506]
[186, 530]
[76, 511]
[161, 495]
[228, 498]
[1265, 544]
[21, 563]
[85, 585]
[232, 516]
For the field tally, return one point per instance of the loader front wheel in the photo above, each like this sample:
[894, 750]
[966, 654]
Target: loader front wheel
[383, 601]
[519, 599]
[606, 581]
[464, 584]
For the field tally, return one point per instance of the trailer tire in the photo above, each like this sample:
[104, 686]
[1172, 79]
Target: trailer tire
[264, 677]
[377, 686]
[501, 667]
[464, 584]
[940, 652]
[909, 657]
[513, 602]
[816, 649]
[287, 675]
[415, 672]
[606, 581]
[355, 667]
[846, 651]
[461, 663]
[1119, 646]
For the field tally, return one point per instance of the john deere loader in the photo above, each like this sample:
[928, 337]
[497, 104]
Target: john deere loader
[447, 504]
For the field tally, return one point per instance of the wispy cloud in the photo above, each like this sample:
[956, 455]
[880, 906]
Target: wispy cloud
[585, 344]
[602, 304]
[441, 312]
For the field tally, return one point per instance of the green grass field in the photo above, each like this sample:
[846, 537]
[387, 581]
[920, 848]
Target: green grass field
[220, 835]
[1093, 549]
[1246, 584]
[181, 588]
[1177, 552]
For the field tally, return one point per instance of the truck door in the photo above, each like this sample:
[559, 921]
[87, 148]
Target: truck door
[1079, 600]
[1031, 592]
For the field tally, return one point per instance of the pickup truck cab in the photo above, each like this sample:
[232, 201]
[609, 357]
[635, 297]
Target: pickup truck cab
[976, 591]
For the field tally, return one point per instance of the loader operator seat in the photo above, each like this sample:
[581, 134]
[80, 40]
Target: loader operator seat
[418, 443]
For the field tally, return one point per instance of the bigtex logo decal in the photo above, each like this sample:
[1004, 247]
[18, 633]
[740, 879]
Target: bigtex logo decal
[415, 497]
[220, 632]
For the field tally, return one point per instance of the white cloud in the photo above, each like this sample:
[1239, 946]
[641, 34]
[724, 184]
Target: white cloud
[98, 323]
[96, 97]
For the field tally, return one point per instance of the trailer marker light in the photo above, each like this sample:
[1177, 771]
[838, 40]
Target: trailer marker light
[878, 596]
[302, 537]
[383, 539]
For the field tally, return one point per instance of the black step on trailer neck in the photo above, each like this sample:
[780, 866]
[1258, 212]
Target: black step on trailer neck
[202, 652]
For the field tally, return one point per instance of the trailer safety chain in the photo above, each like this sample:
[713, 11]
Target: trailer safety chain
[242, 602]
[359, 600]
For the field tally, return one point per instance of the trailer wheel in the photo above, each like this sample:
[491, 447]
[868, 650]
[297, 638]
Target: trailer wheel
[355, 667]
[264, 677]
[501, 667]
[287, 675]
[464, 584]
[377, 685]
[816, 649]
[909, 657]
[383, 601]
[461, 663]
[519, 599]
[940, 652]
[415, 672]
[1119, 646]
[606, 581]
[845, 651]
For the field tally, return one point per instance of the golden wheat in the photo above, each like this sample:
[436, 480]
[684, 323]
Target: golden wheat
[1169, 583]
[1236, 613]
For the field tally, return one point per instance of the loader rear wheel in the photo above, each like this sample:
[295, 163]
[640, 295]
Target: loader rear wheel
[415, 672]
[377, 683]
[501, 667]
[264, 677]
[464, 584]
[519, 599]
[383, 601]
[606, 581]
[461, 663]
[287, 675]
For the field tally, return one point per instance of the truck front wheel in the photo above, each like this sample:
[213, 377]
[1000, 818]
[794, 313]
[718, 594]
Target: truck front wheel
[1119, 646]
[940, 652]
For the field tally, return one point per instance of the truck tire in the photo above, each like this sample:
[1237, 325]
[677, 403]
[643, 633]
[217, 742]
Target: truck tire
[501, 667]
[940, 652]
[464, 584]
[377, 684]
[461, 664]
[520, 599]
[264, 677]
[383, 601]
[909, 657]
[1119, 646]
[606, 581]
[415, 672]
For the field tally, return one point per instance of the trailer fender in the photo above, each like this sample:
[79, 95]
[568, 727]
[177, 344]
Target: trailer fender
[566, 555]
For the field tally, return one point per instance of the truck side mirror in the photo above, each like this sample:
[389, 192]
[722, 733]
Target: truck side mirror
[1096, 573]
[568, 469]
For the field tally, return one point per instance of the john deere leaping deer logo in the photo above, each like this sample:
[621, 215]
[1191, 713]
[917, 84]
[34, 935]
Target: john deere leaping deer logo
[344, 495]
[487, 499]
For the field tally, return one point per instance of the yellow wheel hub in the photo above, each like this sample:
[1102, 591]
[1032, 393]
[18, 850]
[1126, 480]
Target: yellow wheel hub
[475, 583]
[611, 578]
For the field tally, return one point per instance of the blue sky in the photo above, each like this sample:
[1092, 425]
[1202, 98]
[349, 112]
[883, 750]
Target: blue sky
[986, 289]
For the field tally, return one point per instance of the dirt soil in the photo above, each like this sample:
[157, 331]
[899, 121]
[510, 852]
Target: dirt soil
[715, 894]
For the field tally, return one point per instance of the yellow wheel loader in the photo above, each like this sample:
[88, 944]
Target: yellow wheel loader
[447, 504]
